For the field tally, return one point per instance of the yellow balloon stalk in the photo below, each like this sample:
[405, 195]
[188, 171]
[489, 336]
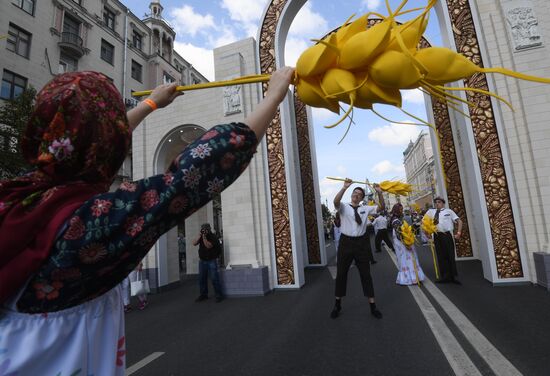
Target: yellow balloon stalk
[395, 187]
[429, 227]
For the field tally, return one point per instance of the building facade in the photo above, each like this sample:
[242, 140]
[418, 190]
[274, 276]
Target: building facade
[45, 38]
[418, 159]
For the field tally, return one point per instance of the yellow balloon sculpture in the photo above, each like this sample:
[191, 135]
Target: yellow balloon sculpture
[396, 187]
[407, 235]
[361, 65]
[428, 225]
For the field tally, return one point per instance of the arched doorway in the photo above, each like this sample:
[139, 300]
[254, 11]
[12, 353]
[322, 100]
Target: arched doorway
[477, 180]
[172, 263]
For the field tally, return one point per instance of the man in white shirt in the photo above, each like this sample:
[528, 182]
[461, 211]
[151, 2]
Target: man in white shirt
[380, 224]
[443, 239]
[354, 219]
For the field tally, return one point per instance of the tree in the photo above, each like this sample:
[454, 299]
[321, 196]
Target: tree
[327, 216]
[14, 115]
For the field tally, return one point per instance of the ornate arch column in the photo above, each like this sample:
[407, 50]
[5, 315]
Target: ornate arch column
[498, 247]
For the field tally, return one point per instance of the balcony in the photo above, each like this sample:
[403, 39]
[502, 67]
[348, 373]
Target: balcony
[71, 44]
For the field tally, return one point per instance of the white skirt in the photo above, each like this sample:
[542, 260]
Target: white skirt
[87, 339]
[406, 260]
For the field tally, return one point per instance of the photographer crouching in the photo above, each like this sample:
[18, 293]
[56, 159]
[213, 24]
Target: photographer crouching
[209, 251]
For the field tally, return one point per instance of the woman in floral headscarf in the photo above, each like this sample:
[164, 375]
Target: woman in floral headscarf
[66, 243]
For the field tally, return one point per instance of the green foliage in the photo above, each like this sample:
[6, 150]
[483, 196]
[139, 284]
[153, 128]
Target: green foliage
[14, 116]
[326, 214]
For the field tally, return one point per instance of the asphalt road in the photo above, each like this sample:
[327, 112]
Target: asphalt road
[290, 332]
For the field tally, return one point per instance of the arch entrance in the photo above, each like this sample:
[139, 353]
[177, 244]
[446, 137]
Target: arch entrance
[477, 180]
[167, 266]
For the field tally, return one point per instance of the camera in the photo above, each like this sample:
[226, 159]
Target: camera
[204, 231]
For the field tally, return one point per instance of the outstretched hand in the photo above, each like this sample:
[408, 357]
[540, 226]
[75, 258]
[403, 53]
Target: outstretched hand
[163, 95]
[347, 183]
[279, 82]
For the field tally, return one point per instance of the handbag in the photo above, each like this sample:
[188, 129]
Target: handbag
[140, 286]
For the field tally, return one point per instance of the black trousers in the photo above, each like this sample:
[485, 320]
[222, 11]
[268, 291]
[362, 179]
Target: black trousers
[350, 249]
[445, 250]
[382, 234]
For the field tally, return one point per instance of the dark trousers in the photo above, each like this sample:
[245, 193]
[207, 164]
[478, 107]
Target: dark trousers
[368, 247]
[382, 234]
[350, 249]
[445, 250]
[209, 268]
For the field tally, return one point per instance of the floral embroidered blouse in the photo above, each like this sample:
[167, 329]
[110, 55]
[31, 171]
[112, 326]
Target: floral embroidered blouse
[104, 240]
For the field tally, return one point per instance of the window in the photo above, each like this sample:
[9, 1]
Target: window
[136, 40]
[26, 5]
[107, 51]
[167, 79]
[71, 25]
[67, 63]
[136, 71]
[12, 85]
[19, 41]
[109, 18]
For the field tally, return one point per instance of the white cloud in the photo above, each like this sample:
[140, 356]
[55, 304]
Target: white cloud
[370, 5]
[201, 58]
[386, 167]
[329, 189]
[321, 116]
[187, 21]
[395, 134]
[293, 49]
[342, 169]
[225, 36]
[307, 22]
[246, 12]
[413, 96]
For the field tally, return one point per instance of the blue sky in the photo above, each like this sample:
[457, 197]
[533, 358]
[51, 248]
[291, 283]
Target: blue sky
[374, 147]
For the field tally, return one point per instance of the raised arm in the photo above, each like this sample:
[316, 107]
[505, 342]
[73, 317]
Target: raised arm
[262, 115]
[162, 96]
[381, 203]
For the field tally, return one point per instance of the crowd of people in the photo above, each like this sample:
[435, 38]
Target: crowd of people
[352, 241]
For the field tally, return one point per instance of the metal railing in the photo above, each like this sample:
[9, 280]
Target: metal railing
[71, 38]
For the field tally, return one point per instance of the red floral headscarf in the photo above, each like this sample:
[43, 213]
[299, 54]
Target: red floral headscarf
[77, 138]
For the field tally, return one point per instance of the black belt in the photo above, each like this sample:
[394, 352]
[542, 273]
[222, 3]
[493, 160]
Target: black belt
[353, 237]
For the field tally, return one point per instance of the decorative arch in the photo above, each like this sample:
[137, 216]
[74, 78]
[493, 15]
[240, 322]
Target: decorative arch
[506, 256]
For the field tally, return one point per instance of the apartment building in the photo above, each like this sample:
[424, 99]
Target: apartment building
[45, 38]
[418, 159]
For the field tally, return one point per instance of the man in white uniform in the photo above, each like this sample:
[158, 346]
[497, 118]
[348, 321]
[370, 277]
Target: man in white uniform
[380, 224]
[354, 219]
[443, 239]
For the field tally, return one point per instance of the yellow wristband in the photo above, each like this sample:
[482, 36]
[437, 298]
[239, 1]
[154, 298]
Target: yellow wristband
[151, 103]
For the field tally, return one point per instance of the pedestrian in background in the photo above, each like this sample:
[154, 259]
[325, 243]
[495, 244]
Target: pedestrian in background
[380, 224]
[444, 240]
[209, 252]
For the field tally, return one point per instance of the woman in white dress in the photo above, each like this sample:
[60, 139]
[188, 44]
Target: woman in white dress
[407, 259]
